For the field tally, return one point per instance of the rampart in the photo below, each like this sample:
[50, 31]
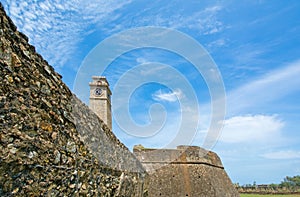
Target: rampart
[185, 171]
[51, 144]
[155, 158]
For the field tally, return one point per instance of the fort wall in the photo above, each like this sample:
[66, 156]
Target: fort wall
[51, 144]
[185, 171]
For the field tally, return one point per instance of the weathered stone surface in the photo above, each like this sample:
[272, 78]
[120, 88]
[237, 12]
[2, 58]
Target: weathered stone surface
[109, 150]
[51, 144]
[190, 180]
[185, 171]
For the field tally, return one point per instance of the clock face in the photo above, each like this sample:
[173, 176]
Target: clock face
[98, 91]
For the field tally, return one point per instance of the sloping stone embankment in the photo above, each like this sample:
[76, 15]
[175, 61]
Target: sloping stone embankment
[47, 136]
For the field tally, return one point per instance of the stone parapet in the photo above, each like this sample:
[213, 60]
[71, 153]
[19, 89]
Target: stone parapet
[154, 158]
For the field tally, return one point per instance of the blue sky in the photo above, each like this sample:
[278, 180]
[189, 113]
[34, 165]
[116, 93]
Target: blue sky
[254, 44]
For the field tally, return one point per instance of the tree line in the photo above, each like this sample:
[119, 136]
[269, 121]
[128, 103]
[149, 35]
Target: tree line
[289, 183]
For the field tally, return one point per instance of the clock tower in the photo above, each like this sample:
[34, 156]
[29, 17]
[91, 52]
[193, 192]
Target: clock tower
[100, 101]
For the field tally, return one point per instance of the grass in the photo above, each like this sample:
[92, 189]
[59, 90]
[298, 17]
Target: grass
[269, 195]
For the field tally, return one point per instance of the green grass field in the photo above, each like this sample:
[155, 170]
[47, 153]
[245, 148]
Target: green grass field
[268, 195]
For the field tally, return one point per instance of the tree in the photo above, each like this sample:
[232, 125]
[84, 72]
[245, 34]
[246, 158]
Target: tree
[254, 184]
[274, 186]
[291, 182]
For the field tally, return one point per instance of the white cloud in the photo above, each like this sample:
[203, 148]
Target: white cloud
[169, 96]
[272, 86]
[251, 128]
[217, 43]
[141, 60]
[288, 154]
[56, 28]
[152, 70]
[213, 9]
[204, 21]
[259, 94]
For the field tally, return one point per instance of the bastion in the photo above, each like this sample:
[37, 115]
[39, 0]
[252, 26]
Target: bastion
[185, 171]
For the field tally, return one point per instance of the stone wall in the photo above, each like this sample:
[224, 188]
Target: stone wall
[190, 180]
[185, 171]
[153, 159]
[51, 144]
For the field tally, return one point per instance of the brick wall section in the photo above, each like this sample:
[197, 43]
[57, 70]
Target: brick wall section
[51, 144]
